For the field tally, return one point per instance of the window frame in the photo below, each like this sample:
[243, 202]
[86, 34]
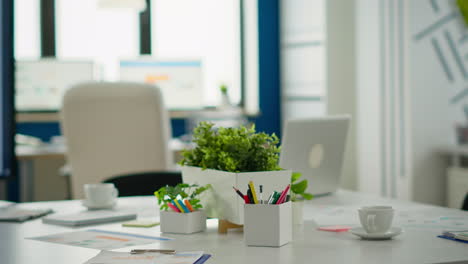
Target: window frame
[249, 80]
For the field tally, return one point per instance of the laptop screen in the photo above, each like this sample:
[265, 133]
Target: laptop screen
[315, 148]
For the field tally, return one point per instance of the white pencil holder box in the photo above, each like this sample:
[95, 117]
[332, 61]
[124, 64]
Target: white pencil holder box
[268, 225]
[182, 223]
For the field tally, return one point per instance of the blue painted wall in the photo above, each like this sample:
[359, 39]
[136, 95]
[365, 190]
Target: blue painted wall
[46, 130]
[269, 69]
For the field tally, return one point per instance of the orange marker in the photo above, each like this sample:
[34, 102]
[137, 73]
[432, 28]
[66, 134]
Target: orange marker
[189, 206]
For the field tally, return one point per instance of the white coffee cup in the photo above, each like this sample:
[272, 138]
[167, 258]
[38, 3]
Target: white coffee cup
[100, 195]
[376, 219]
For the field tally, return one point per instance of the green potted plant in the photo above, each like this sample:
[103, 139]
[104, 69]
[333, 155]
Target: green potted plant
[227, 157]
[180, 208]
[298, 195]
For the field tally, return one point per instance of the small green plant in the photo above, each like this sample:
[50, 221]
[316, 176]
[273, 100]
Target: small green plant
[223, 88]
[463, 6]
[298, 188]
[232, 149]
[180, 191]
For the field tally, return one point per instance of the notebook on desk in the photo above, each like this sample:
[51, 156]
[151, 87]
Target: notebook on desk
[89, 218]
[15, 214]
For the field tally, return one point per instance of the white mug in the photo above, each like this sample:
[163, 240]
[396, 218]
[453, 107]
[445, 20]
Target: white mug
[100, 195]
[376, 219]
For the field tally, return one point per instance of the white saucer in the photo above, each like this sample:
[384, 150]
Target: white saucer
[361, 232]
[98, 207]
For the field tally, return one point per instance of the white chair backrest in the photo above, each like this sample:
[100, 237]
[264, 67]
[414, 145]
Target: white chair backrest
[113, 129]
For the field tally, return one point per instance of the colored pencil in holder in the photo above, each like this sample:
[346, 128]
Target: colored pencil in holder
[188, 205]
[283, 195]
[182, 204]
[174, 208]
[176, 204]
[254, 193]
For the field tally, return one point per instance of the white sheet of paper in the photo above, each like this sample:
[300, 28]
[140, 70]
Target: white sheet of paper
[5, 204]
[110, 257]
[100, 239]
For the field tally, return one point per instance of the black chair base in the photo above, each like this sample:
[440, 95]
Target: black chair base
[145, 183]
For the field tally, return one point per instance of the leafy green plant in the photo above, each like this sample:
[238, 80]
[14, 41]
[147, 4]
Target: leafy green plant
[232, 149]
[223, 88]
[298, 188]
[180, 191]
[463, 6]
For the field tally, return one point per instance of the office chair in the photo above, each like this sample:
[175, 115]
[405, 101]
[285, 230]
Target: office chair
[145, 183]
[114, 129]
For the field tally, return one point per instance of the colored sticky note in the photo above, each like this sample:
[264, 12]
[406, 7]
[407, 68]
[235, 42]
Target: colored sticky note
[140, 223]
[335, 228]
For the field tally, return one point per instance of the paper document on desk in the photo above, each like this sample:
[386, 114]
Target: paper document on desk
[110, 257]
[100, 239]
[5, 204]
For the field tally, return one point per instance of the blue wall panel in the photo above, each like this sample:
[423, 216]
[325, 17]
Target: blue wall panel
[46, 130]
[269, 60]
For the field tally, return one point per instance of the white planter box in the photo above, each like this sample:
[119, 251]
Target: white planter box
[298, 212]
[182, 223]
[223, 202]
[268, 225]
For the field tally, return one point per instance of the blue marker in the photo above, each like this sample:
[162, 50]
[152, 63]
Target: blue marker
[186, 210]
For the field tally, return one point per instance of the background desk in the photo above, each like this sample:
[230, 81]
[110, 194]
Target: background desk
[418, 243]
[457, 174]
[39, 170]
[39, 173]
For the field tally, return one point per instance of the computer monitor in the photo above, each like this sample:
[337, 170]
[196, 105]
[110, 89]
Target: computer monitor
[179, 80]
[40, 84]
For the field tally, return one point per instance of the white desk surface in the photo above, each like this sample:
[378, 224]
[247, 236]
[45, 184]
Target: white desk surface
[418, 243]
[47, 150]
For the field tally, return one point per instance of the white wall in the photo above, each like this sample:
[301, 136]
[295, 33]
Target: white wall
[368, 108]
[437, 51]
[341, 76]
[405, 109]
[303, 39]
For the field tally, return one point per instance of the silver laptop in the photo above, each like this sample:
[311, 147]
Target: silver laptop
[315, 148]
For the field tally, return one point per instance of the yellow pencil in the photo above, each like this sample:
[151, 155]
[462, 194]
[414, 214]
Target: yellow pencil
[254, 193]
[178, 206]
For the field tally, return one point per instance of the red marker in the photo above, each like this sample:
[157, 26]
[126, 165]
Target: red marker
[246, 199]
[283, 195]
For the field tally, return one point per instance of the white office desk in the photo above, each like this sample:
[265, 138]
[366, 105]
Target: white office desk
[418, 244]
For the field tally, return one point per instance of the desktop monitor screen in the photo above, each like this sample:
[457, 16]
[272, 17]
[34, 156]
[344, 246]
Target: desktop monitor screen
[179, 81]
[7, 158]
[40, 84]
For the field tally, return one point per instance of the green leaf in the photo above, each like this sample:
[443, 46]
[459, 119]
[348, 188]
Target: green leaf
[295, 176]
[307, 196]
[463, 6]
[299, 187]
